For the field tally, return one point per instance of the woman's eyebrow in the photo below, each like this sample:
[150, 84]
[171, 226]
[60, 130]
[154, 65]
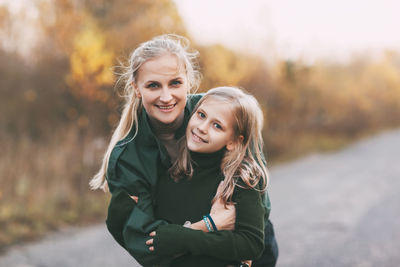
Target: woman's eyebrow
[150, 81]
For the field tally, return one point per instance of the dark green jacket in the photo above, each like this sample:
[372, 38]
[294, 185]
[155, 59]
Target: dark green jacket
[133, 169]
[189, 199]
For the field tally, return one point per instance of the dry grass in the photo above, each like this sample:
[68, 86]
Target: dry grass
[45, 185]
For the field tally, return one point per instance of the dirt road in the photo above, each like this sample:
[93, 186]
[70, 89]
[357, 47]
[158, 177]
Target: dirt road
[340, 209]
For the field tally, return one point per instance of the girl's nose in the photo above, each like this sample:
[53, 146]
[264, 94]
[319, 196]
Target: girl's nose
[165, 95]
[202, 127]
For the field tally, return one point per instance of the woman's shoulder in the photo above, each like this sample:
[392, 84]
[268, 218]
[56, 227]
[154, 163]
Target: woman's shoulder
[192, 100]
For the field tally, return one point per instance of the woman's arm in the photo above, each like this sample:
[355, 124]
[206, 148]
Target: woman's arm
[245, 242]
[130, 221]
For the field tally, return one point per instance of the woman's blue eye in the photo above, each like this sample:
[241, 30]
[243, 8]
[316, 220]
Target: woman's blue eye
[176, 83]
[152, 85]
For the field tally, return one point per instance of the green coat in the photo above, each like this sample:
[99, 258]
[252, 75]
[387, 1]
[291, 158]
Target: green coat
[190, 199]
[133, 169]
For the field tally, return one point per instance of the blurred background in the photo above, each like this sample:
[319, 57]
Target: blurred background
[325, 72]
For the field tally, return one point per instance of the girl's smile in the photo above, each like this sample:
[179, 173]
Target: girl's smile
[211, 127]
[197, 138]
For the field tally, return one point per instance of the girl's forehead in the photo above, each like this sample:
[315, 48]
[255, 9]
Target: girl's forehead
[215, 100]
[217, 105]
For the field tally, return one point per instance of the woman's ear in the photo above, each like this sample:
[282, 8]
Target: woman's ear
[136, 89]
[232, 144]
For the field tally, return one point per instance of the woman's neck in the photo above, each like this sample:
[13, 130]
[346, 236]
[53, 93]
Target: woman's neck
[166, 134]
[162, 130]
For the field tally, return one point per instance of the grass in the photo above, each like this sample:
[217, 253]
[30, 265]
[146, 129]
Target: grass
[44, 185]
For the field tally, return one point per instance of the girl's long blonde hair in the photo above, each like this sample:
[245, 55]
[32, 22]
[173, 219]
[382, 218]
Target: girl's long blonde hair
[245, 161]
[158, 46]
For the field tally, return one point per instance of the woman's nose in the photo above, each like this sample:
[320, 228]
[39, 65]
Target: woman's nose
[165, 95]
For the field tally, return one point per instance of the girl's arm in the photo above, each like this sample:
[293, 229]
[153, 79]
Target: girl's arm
[243, 243]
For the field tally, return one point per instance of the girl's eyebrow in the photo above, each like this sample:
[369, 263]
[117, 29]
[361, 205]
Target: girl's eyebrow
[202, 110]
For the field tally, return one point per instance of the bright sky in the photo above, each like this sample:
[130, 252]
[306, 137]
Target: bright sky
[307, 29]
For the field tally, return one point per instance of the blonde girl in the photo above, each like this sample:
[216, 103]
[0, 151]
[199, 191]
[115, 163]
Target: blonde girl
[223, 141]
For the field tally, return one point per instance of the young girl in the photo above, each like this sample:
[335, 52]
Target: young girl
[223, 141]
[157, 107]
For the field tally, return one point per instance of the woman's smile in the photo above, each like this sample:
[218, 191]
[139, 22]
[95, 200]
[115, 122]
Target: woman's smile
[166, 108]
[163, 87]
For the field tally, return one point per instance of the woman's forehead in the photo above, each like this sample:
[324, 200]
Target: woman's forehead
[166, 66]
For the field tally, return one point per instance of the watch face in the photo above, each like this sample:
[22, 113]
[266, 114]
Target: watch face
[244, 265]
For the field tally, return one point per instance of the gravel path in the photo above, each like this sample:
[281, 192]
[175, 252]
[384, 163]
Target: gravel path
[340, 209]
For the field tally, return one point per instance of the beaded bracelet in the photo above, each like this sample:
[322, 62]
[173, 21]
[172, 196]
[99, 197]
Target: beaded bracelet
[207, 224]
[212, 222]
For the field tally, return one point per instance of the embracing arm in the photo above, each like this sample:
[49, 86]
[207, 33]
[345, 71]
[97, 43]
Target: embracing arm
[129, 223]
[245, 242]
[131, 219]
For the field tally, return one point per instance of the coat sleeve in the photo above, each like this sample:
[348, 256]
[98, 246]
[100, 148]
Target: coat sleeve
[129, 222]
[245, 242]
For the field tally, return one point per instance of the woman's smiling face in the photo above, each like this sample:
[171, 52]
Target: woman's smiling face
[211, 127]
[162, 85]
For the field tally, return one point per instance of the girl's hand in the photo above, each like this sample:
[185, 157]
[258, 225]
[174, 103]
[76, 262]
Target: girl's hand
[224, 217]
[150, 241]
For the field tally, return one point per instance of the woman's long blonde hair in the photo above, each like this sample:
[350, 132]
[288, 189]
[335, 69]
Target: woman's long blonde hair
[245, 161]
[158, 46]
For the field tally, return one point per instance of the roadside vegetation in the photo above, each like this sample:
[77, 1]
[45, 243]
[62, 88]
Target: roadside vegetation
[59, 105]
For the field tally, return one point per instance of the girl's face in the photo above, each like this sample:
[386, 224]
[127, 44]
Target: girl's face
[163, 87]
[211, 127]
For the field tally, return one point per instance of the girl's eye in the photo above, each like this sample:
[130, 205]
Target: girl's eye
[218, 126]
[201, 114]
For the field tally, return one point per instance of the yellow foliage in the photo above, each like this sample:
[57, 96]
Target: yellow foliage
[90, 63]
[224, 67]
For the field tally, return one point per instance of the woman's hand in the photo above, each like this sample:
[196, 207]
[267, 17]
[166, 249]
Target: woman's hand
[150, 241]
[224, 216]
